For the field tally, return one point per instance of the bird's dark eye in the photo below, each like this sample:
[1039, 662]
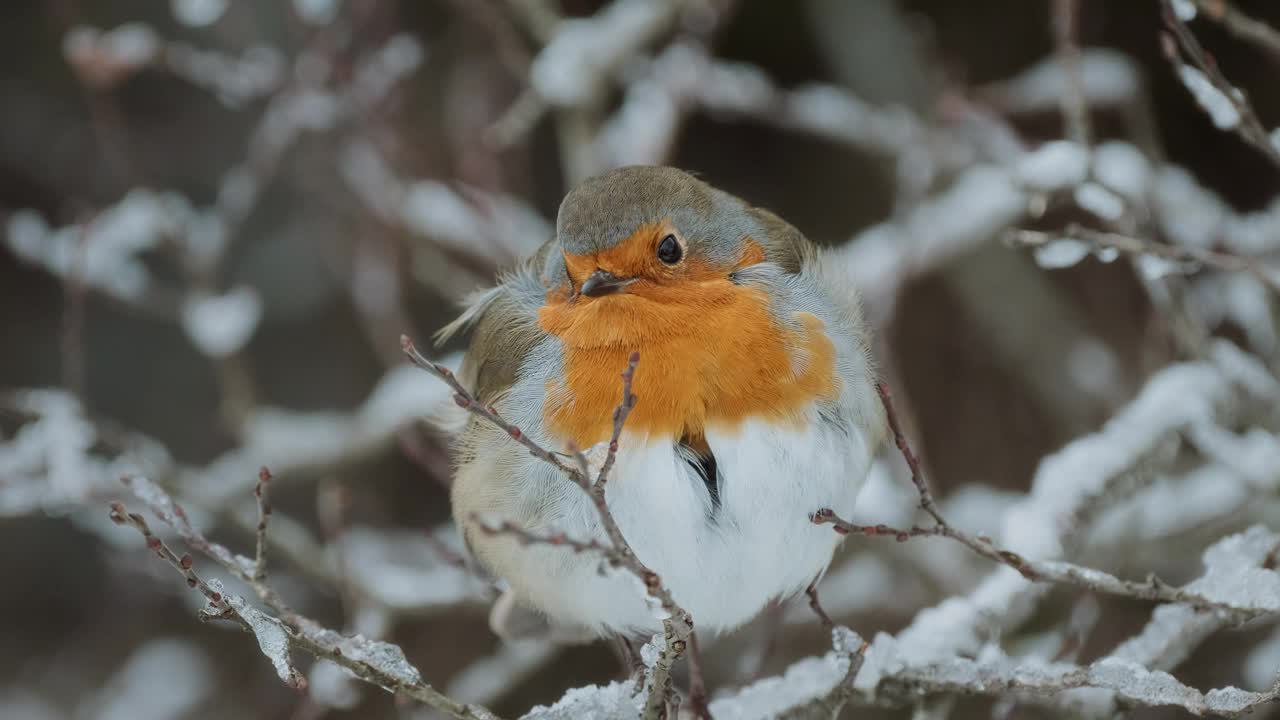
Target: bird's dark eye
[669, 250]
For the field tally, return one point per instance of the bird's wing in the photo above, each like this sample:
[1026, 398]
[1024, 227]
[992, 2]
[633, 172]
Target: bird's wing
[783, 244]
[503, 321]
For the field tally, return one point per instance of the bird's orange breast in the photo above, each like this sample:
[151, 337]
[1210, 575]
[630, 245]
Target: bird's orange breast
[711, 356]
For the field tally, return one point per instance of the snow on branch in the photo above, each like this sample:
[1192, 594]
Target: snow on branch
[295, 443]
[1226, 105]
[376, 662]
[575, 65]
[1067, 491]
[1236, 22]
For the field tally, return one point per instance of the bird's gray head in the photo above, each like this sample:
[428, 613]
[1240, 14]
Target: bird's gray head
[648, 222]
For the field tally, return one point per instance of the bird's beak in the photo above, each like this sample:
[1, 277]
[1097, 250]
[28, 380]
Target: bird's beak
[603, 282]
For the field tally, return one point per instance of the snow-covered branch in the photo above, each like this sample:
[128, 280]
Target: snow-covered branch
[373, 661]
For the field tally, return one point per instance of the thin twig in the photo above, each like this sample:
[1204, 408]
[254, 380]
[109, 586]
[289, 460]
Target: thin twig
[620, 415]
[677, 624]
[830, 704]
[1062, 573]
[1135, 247]
[468, 402]
[1249, 128]
[555, 539]
[1241, 25]
[980, 545]
[913, 463]
[1066, 31]
[1037, 571]
[261, 493]
[816, 605]
[379, 663]
[120, 515]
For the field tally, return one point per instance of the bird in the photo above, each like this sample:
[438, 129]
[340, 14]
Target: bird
[755, 404]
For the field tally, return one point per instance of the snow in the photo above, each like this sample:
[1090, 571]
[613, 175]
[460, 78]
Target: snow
[1123, 169]
[801, 683]
[235, 80]
[1108, 77]
[1263, 662]
[1094, 368]
[490, 677]
[1234, 576]
[1132, 681]
[1253, 456]
[286, 440]
[1188, 214]
[128, 46]
[198, 13]
[384, 656]
[1185, 10]
[982, 201]
[1231, 700]
[1061, 253]
[317, 12]
[498, 228]
[165, 678]
[1222, 111]
[221, 325]
[432, 209]
[1240, 299]
[379, 71]
[615, 701]
[131, 44]
[273, 641]
[332, 685]
[1153, 268]
[103, 253]
[861, 584]
[1100, 201]
[651, 651]
[569, 70]
[1173, 505]
[1056, 165]
[1174, 398]
[402, 571]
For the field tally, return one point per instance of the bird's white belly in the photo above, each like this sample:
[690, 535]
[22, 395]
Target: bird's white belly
[722, 564]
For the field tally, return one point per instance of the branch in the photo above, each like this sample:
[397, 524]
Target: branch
[981, 545]
[1138, 247]
[890, 664]
[1063, 573]
[814, 687]
[264, 515]
[1066, 30]
[468, 402]
[120, 515]
[555, 539]
[379, 663]
[1175, 631]
[1227, 105]
[1240, 25]
[620, 415]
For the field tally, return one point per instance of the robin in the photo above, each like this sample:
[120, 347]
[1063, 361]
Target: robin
[756, 403]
